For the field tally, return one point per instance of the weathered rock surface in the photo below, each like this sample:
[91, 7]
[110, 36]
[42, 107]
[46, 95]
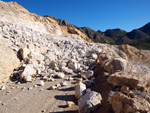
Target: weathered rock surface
[87, 74]
[89, 102]
[116, 64]
[133, 80]
[37, 56]
[80, 90]
[131, 51]
[60, 75]
[28, 73]
[8, 60]
[124, 104]
[24, 53]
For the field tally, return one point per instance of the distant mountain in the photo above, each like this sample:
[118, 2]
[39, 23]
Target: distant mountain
[137, 34]
[146, 28]
[139, 38]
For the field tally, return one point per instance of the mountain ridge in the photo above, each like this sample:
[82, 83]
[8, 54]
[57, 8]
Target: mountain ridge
[114, 36]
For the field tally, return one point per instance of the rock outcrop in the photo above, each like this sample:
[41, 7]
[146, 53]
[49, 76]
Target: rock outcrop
[122, 103]
[8, 60]
[133, 80]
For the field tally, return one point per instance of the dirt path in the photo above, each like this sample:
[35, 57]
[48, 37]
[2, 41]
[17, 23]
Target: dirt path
[17, 98]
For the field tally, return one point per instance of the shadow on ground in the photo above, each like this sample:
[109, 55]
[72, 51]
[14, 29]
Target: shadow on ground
[71, 111]
[67, 89]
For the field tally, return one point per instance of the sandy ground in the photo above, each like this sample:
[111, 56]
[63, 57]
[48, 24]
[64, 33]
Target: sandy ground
[17, 98]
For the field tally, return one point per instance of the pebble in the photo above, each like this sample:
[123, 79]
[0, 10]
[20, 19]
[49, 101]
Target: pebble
[70, 103]
[43, 111]
[35, 86]
[3, 87]
[3, 104]
[23, 88]
[41, 89]
[29, 88]
[41, 83]
[58, 85]
[53, 88]
[64, 83]
[16, 98]
[18, 83]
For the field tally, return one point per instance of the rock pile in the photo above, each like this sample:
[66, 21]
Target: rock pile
[44, 56]
[51, 56]
[124, 80]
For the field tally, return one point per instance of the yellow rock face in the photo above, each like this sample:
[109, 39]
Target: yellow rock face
[70, 30]
[8, 61]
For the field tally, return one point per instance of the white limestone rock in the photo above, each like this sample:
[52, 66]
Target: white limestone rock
[37, 56]
[3, 87]
[64, 83]
[28, 72]
[53, 88]
[73, 66]
[60, 75]
[87, 74]
[41, 83]
[80, 90]
[24, 53]
[27, 78]
[94, 56]
[89, 102]
[96, 50]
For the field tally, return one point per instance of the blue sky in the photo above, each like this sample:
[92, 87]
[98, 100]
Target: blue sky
[96, 14]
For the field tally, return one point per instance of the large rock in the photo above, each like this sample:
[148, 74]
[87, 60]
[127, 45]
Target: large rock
[8, 60]
[116, 64]
[80, 90]
[124, 104]
[133, 80]
[51, 56]
[60, 75]
[24, 53]
[37, 56]
[87, 74]
[73, 66]
[102, 57]
[89, 102]
[28, 72]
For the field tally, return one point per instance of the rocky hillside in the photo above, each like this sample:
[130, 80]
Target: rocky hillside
[46, 67]
[139, 38]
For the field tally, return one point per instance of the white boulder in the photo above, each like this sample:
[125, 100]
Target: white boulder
[27, 78]
[73, 66]
[60, 75]
[28, 72]
[89, 102]
[37, 56]
[80, 90]
[87, 74]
